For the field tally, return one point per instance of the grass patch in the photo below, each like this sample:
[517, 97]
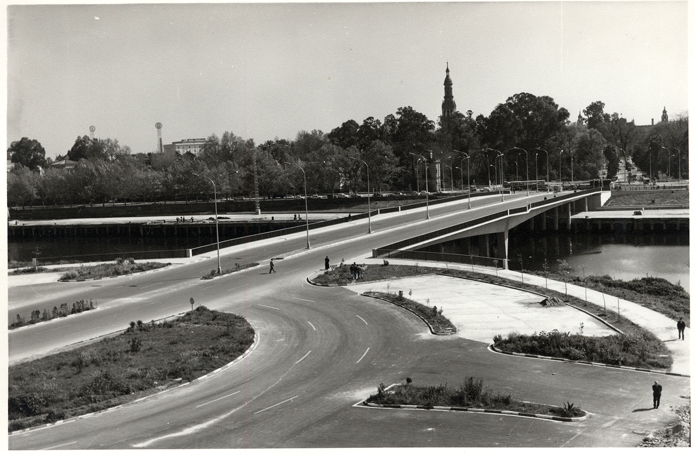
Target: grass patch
[471, 393]
[634, 349]
[439, 323]
[143, 359]
[118, 268]
[237, 267]
[654, 293]
[650, 198]
[341, 274]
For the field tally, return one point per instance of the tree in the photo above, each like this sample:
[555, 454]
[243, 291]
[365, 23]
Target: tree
[21, 186]
[28, 153]
[611, 153]
[93, 148]
[595, 115]
[346, 135]
[307, 142]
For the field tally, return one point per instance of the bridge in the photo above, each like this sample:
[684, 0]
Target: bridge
[488, 236]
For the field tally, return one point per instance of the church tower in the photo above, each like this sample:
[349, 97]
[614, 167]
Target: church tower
[448, 106]
[664, 116]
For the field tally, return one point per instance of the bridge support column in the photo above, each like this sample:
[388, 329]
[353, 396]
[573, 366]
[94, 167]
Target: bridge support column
[502, 246]
[556, 219]
[486, 244]
[531, 223]
[569, 217]
[586, 204]
[544, 222]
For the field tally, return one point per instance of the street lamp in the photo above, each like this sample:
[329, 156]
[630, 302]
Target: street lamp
[369, 201]
[217, 228]
[306, 206]
[417, 171]
[451, 169]
[468, 173]
[494, 167]
[427, 187]
[547, 165]
[517, 169]
[501, 156]
[561, 168]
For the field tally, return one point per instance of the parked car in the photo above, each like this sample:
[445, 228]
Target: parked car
[341, 195]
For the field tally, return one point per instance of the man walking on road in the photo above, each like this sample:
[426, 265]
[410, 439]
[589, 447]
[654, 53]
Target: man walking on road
[328, 263]
[656, 389]
[272, 267]
[681, 329]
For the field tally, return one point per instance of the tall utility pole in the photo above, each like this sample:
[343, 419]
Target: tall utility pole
[255, 184]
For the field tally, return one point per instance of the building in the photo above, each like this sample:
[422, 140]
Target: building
[448, 106]
[189, 145]
[64, 164]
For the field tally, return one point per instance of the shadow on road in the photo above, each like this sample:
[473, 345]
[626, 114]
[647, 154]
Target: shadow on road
[643, 410]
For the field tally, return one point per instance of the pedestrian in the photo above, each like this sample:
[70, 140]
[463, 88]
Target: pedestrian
[656, 389]
[359, 271]
[353, 271]
[327, 262]
[681, 329]
[295, 217]
[272, 267]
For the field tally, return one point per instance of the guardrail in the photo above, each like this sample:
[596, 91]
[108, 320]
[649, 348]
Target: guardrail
[446, 257]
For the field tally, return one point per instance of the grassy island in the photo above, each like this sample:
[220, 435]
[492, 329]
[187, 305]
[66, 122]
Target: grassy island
[143, 359]
[119, 267]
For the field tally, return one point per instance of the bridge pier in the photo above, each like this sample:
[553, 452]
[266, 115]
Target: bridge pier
[569, 217]
[556, 219]
[502, 247]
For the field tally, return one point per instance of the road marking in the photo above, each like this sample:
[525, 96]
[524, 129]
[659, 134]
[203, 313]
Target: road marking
[306, 300]
[303, 357]
[268, 306]
[312, 326]
[365, 322]
[286, 400]
[209, 402]
[365, 354]
[290, 271]
[61, 445]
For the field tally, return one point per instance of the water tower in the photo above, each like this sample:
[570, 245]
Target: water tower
[160, 147]
[91, 132]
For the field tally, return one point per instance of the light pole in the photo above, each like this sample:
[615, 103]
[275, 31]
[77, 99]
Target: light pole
[417, 171]
[501, 156]
[561, 168]
[306, 206]
[679, 164]
[451, 169]
[494, 167]
[468, 174]
[369, 201]
[571, 168]
[217, 228]
[535, 173]
[427, 187]
[517, 170]
[547, 167]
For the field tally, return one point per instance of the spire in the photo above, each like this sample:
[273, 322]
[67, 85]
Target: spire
[448, 106]
[664, 116]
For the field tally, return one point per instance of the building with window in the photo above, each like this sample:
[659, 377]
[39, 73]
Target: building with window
[192, 145]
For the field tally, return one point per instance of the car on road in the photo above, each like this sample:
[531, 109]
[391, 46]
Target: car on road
[341, 195]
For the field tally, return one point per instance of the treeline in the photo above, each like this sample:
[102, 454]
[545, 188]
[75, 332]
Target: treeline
[526, 137]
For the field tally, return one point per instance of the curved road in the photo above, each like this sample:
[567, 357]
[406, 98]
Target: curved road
[318, 352]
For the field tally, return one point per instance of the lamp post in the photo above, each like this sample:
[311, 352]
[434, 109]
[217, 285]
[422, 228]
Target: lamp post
[561, 168]
[501, 156]
[547, 167]
[535, 172]
[417, 170]
[494, 167]
[427, 187]
[217, 228]
[468, 173]
[679, 164]
[369, 201]
[306, 206]
[451, 169]
[528, 193]
[571, 168]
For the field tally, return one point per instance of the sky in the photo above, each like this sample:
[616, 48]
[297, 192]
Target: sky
[266, 71]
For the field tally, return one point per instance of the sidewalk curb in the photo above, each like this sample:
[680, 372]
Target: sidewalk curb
[492, 348]
[119, 406]
[421, 318]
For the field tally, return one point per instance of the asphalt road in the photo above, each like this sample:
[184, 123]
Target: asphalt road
[320, 351]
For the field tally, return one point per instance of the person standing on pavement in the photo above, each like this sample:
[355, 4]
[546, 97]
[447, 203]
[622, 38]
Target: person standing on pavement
[327, 263]
[681, 329]
[656, 390]
[272, 267]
